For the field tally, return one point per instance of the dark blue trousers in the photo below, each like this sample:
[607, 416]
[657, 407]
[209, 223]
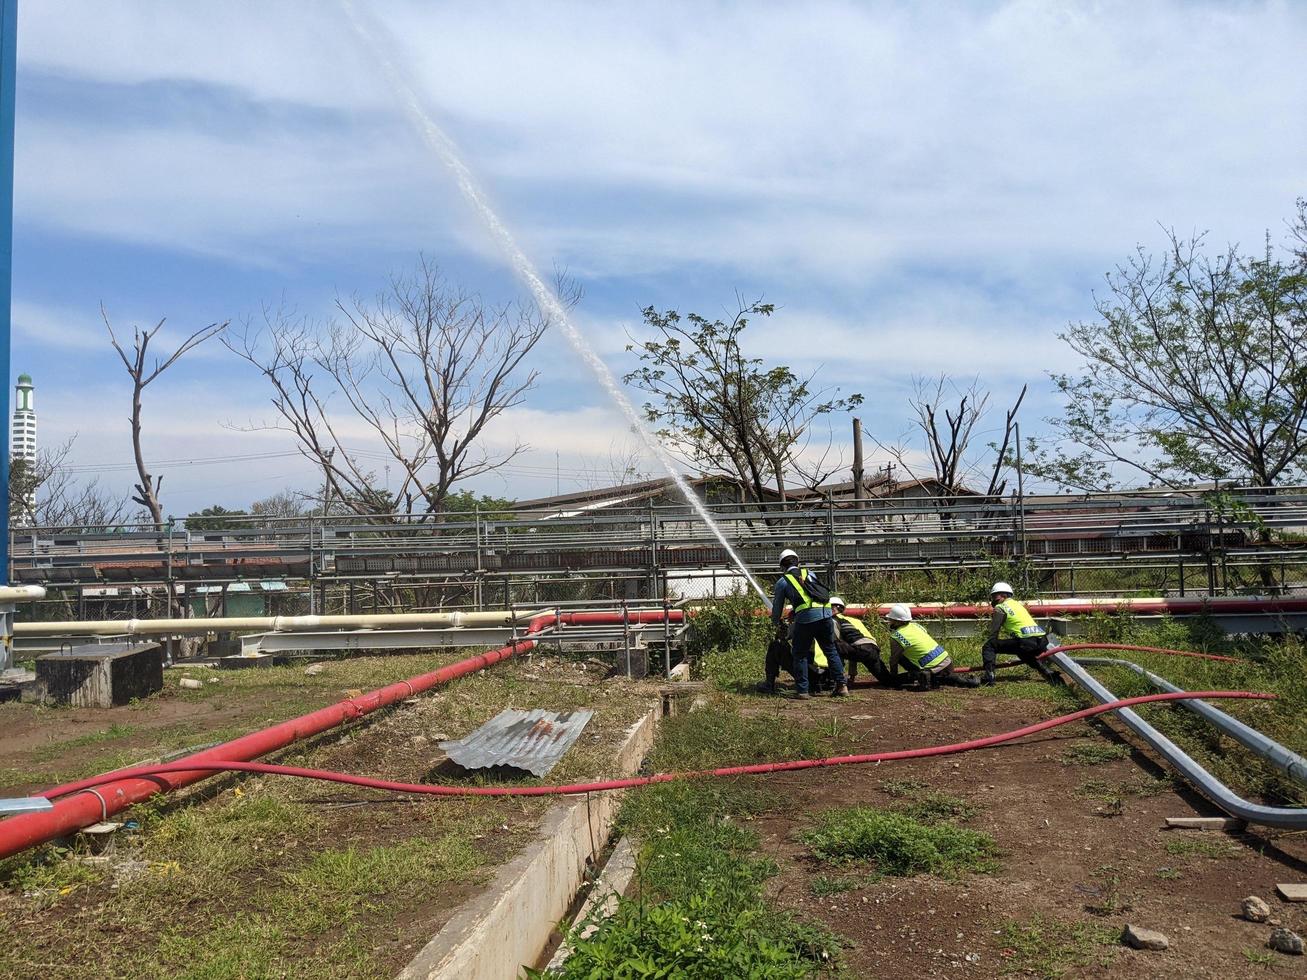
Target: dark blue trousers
[823, 631]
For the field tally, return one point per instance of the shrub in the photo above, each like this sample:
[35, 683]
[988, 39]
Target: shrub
[898, 844]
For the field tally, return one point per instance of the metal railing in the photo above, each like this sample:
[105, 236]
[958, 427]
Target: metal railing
[1190, 542]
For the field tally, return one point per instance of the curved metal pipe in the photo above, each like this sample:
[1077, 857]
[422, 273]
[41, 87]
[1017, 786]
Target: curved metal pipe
[1200, 778]
[1286, 760]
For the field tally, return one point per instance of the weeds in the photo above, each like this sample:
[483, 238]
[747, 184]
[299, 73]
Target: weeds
[899, 845]
[1260, 957]
[823, 885]
[1094, 753]
[926, 804]
[1051, 947]
[699, 908]
[1217, 850]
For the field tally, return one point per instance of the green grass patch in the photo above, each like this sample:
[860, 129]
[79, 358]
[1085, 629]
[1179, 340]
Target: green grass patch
[824, 885]
[1200, 846]
[899, 845]
[1048, 947]
[1094, 753]
[925, 804]
[698, 907]
[1260, 957]
[50, 875]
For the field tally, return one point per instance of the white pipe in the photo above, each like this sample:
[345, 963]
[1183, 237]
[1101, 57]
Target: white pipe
[283, 624]
[21, 593]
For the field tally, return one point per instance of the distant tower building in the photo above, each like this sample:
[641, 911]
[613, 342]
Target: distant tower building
[22, 440]
[23, 443]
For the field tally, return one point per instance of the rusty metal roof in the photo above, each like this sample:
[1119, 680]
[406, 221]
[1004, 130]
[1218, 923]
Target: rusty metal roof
[533, 741]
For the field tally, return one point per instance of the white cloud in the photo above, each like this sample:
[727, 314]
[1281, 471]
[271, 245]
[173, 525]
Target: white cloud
[829, 141]
[923, 188]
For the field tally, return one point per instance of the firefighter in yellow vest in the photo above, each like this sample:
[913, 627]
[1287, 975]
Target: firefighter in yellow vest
[856, 644]
[1013, 630]
[927, 663]
[813, 626]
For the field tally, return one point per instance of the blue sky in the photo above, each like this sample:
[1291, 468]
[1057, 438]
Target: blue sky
[921, 188]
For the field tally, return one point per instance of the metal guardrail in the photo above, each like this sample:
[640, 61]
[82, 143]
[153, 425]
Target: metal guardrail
[1142, 530]
[1200, 778]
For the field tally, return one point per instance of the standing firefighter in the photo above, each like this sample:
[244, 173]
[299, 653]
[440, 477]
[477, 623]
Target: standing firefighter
[1013, 630]
[926, 661]
[813, 621]
[856, 644]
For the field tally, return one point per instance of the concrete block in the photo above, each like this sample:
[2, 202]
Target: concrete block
[245, 661]
[1204, 823]
[1295, 892]
[102, 675]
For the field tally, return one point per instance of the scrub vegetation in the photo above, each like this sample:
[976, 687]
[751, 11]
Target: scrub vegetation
[1050, 948]
[899, 844]
[697, 906]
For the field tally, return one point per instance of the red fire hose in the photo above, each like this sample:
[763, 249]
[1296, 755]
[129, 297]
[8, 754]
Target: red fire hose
[191, 767]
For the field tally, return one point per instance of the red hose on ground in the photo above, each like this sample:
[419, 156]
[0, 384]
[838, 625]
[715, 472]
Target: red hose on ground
[1110, 646]
[611, 784]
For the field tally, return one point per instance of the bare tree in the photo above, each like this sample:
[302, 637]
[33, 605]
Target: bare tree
[425, 368]
[946, 416]
[144, 372]
[44, 492]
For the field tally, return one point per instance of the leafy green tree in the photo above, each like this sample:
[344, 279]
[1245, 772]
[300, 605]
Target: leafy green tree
[216, 518]
[1195, 370]
[726, 413]
[467, 501]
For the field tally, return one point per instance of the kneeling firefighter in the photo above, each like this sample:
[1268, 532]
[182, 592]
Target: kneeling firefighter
[927, 663]
[813, 622]
[856, 644]
[1013, 630]
[780, 656]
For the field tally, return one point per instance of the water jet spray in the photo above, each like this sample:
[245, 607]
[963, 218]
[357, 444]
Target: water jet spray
[381, 47]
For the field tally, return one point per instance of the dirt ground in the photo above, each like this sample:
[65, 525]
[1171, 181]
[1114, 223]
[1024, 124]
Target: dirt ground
[1083, 844]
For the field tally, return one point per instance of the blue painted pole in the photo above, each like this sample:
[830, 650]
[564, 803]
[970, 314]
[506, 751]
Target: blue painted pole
[8, 72]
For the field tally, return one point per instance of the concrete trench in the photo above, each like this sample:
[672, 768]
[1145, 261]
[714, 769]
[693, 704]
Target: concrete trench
[513, 921]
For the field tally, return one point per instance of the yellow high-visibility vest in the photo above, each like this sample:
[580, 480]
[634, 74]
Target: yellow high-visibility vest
[919, 646]
[807, 601]
[857, 624]
[1018, 623]
[819, 656]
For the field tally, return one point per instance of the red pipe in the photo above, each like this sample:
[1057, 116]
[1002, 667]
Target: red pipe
[1081, 607]
[633, 781]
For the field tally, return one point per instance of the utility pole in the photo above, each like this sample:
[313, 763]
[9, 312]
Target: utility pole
[8, 62]
[859, 484]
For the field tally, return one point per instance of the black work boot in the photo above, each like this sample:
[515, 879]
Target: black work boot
[766, 687]
[986, 678]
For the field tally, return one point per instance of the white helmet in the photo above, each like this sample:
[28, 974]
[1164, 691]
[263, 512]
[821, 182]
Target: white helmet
[787, 553]
[838, 601]
[1000, 587]
[899, 613]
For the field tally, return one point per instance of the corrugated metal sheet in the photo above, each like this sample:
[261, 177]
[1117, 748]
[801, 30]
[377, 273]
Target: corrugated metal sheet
[533, 741]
